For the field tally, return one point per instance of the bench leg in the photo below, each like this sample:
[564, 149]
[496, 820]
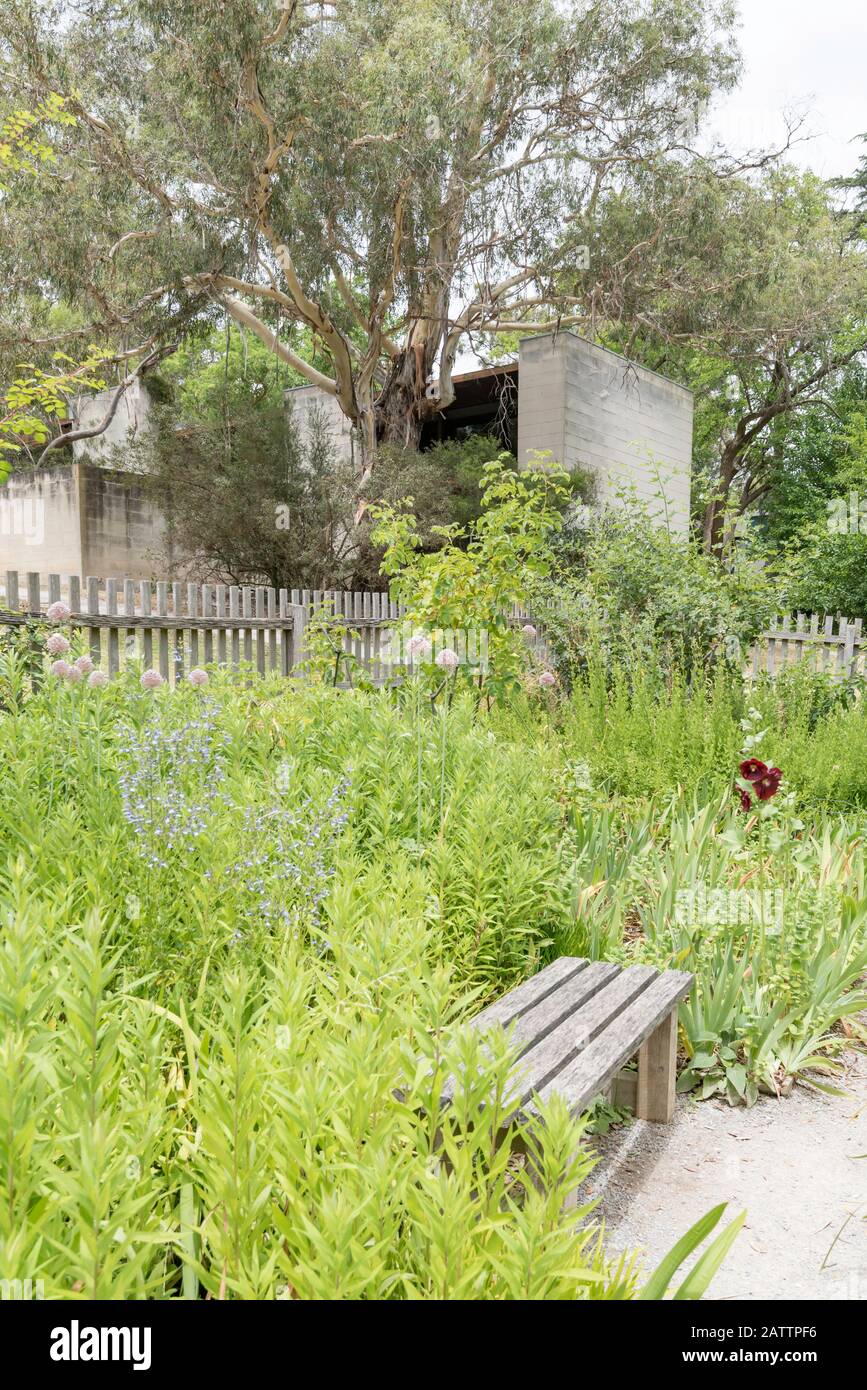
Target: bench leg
[657, 1072]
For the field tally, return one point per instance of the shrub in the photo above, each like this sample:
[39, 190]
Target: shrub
[826, 572]
[631, 591]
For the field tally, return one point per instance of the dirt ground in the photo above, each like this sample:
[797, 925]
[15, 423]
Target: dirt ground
[793, 1164]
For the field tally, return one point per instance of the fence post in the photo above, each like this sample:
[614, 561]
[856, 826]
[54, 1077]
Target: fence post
[299, 623]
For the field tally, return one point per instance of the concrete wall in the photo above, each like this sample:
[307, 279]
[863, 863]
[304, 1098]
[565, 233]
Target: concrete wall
[308, 402]
[39, 520]
[626, 426]
[129, 422]
[81, 519]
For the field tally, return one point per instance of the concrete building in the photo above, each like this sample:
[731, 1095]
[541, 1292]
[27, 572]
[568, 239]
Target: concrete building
[588, 408]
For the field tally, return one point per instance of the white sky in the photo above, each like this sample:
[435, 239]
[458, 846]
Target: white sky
[807, 54]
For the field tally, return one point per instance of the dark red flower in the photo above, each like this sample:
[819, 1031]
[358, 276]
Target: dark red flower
[753, 768]
[768, 784]
[746, 801]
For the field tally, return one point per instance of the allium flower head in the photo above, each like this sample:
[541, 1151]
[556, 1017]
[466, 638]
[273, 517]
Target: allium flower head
[97, 679]
[74, 674]
[418, 645]
[547, 679]
[57, 644]
[198, 677]
[151, 679]
[60, 669]
[84, 664]
[529, 631]
[447, 659]
[58, 612]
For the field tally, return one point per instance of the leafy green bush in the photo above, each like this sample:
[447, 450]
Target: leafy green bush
[825, 572]
[628, 589]
[473, 581]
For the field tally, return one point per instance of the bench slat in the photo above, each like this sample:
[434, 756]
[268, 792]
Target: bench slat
[546, 1061]
[589, 1073]
[557, 1004]
[563, 1005]
[530, 993]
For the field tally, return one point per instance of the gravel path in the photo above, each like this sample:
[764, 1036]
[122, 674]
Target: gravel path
[792, 1163]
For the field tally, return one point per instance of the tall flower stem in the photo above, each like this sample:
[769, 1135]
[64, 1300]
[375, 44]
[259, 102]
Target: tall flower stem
[418, 759]
[444, 718]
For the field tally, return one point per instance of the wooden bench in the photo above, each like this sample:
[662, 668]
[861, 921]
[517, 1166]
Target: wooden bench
[578, 1022]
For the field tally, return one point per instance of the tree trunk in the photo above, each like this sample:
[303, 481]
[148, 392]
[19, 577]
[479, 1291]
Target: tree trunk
[714, 529]
[408, 397]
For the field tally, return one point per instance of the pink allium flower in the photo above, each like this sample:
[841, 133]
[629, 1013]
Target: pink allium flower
[547, 679]
[84, 664]
[57, 644]
[60, 669]
[418, 645]
[529, 631]
[74, 675]
[97, 679]
[58, 612]
[447, 659]
[198, 677]
[151, 679]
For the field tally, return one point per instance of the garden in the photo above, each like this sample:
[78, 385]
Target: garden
[432, 554]
[247, 919]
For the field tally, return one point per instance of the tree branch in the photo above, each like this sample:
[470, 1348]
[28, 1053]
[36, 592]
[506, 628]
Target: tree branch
[73, 436]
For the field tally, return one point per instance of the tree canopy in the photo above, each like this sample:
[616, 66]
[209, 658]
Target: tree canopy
[388, 179]
[752, 291]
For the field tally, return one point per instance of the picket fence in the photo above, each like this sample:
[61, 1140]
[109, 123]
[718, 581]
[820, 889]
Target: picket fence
[175, 625]
[807, 638]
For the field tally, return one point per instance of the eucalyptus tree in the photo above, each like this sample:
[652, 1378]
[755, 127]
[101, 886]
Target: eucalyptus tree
[388, 179]
[751, 290]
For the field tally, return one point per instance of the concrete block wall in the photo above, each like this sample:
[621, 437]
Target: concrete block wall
[305, 402]
[122, 531]
[81, 519]
[130, 420]
[628, 427]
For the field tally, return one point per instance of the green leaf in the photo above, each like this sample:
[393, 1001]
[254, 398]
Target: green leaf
[658, 1283]
[696, 1282]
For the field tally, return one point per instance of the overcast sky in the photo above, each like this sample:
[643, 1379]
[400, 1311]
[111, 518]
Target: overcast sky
[807, 54]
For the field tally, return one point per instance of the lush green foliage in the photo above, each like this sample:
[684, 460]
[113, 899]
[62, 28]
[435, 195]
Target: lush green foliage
[238, 943]
[36, 399]
[247, 494]
[631, 591]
